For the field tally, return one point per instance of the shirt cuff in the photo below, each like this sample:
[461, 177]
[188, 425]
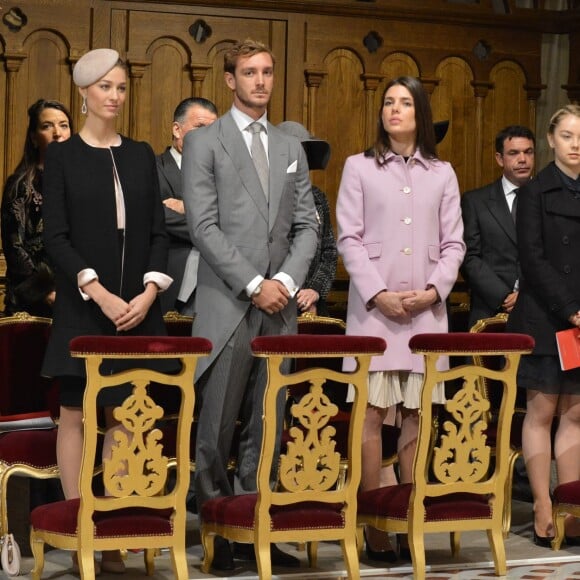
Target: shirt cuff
[253, 285]
[162, 281]
[288, 282]
[83, 278]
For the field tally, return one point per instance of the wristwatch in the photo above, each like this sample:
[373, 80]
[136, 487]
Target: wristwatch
[257, 290]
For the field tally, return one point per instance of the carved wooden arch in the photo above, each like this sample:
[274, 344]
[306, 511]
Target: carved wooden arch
[219, 93]
[395, 64]
[41, 50]
[452, 100]
[339, 116]
[505, 104]
[165, 82]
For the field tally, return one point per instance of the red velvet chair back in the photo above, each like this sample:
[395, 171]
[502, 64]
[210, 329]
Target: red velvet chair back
[23, 340]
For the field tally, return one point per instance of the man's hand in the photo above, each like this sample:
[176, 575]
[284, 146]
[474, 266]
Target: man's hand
[273, 297]
[509, 302]
[176, 205]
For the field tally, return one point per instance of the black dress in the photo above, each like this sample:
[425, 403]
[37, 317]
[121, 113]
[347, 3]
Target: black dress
[29, 278]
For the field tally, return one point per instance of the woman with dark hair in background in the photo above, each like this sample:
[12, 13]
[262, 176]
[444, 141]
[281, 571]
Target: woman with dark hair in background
[401, 238]
[29, 278]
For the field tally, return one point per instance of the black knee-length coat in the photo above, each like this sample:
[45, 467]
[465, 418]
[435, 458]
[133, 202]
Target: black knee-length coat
[80, 231]
[548, 231]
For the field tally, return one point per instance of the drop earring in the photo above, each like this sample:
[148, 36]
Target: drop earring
[84, 106]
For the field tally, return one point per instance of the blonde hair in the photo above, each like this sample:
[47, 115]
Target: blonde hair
[560, 114]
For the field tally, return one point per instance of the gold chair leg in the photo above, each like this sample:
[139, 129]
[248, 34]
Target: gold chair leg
[179, 561]
[312, 548]
[37, 547]
[454, 539]
[497, 545]
[350, 555]
[207, 541]
[558, 519]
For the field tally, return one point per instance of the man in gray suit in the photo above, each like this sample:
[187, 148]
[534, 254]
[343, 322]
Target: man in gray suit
[190, 114]
[491, 266]
[252, 217]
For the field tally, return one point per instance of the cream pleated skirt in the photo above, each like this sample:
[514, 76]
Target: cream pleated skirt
[388, 388]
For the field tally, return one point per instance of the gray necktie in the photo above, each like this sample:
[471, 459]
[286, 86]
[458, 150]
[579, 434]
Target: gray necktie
[514, 204]
[259, 156]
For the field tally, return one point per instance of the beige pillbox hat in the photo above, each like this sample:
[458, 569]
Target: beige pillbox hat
[94, 65]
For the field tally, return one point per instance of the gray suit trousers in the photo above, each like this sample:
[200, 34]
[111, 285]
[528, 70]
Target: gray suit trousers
[233, 387]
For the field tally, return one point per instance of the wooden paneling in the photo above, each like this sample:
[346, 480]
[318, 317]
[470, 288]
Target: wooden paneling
[326, 77]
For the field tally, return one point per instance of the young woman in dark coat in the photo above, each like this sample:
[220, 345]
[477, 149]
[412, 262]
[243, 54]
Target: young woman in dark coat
[104, 231]
[548, 230]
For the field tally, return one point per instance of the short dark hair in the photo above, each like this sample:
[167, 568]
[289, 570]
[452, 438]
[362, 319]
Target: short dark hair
[510, 132]
[186, 104]
[425, 140]
[245, 48]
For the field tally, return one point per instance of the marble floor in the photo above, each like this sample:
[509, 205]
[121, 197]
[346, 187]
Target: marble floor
[525, 560]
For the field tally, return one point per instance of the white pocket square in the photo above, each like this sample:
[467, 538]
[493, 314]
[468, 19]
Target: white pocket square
[292, 167]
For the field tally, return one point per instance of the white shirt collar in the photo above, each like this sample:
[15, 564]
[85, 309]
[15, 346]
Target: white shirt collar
[508, 186]
[242, 120]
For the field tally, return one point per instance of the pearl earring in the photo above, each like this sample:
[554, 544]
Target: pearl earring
[84, 106]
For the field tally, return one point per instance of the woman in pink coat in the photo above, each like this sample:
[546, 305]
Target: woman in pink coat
[400, 235]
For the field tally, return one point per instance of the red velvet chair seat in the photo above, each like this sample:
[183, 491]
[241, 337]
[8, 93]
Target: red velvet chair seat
[34, 448]
[238, 511]
[61, 517]
[568, 493]
[393, 502]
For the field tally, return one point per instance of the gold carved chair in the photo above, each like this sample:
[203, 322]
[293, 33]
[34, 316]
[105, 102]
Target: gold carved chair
[27, 402]
[456, 485]
[309, 323]
[137, 511]
[306, 505]
[492, 390]
[565, 500]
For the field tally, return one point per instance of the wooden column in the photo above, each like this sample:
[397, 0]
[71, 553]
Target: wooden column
[136, 71]
[13, 62]
[429, 85]
[371, 83]
[198, 74]
[533, 92]
[480, 90]
[313, 81]
[573, 93]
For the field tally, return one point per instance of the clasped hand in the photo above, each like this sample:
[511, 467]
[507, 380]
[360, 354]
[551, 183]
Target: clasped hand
[400, 304]
[273, 297]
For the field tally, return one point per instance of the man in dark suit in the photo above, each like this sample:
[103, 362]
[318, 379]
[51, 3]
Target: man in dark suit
[190, 114]
[251, 214]
[491, 266]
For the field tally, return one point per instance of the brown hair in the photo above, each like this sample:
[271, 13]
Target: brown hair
[246, 48]
[560, 114]
[425, 139]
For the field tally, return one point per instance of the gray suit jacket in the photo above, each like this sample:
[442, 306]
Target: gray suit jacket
[181, 250]
[238, 233]
[491, 264]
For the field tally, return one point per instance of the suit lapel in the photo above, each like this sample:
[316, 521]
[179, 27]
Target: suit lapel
[234, 145]
[499, 209]
[172, 173]
[278, 163]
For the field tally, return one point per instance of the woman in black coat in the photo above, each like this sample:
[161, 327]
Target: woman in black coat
[548, 230]
[104, 231]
